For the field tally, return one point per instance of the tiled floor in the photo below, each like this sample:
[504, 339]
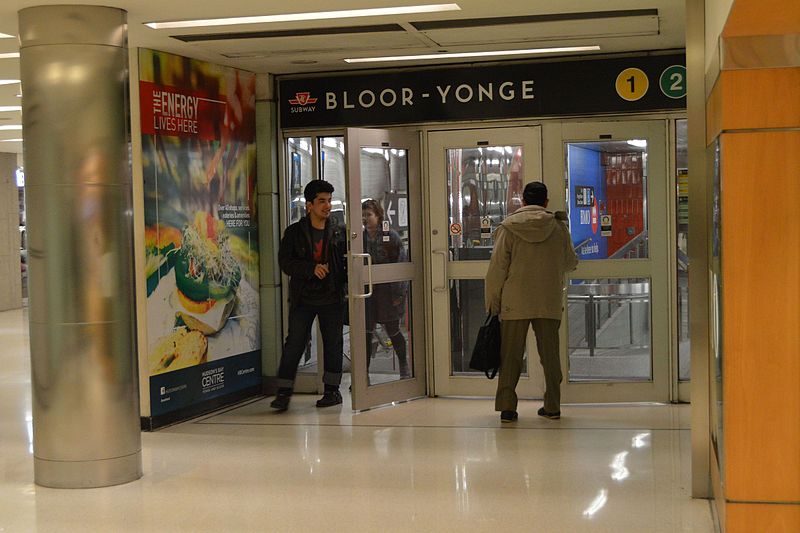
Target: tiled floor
[434, 465]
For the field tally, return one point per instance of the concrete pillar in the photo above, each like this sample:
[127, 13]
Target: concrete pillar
[74, 71]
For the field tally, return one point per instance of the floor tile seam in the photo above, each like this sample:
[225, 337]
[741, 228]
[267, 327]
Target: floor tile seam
[286, 424]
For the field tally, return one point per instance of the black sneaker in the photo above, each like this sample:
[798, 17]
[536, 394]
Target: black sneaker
[330, 398]
[281, 401]
[551, 416]
[508, 416]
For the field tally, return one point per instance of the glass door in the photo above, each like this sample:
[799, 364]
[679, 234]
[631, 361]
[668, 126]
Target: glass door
[307, 158]
[386, 293]
[617, 329]
[477, 177]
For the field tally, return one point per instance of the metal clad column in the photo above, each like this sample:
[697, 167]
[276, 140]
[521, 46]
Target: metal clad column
[74, 63]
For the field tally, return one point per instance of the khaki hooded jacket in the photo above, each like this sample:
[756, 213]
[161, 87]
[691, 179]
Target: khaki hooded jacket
[527, 274]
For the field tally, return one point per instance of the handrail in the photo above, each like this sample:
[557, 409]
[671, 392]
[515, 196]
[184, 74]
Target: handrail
[635, 293]
[582, 243]
[609, 289]
[630, 245]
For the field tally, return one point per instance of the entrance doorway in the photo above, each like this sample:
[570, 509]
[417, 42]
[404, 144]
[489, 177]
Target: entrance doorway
[616, 336]
[610, 177]
[476, 178]
[384, 337]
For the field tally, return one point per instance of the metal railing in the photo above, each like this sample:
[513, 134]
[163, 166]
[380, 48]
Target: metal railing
[592, 294]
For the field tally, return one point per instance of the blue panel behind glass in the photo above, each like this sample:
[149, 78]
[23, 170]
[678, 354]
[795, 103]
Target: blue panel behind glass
[585, 170]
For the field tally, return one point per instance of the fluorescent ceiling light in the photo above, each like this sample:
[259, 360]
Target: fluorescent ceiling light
[6, 127]
[494, 53]
[639, 143]
[8, 82]
[9, 55]
[319, 15]
[10, 108]
[6, 36]
[10, 140]
[18, 95]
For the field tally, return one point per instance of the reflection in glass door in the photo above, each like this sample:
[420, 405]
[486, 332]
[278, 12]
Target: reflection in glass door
[477, 179]
[386, 307]
[617, 319]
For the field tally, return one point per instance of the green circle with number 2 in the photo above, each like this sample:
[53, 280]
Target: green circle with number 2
[673, 81]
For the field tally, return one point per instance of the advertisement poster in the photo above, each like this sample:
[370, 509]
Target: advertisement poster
[201, 236]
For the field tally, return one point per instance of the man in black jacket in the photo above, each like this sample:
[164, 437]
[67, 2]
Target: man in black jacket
[312, 255]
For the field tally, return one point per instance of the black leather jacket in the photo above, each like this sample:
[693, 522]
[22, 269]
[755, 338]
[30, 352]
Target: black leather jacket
[296, 260]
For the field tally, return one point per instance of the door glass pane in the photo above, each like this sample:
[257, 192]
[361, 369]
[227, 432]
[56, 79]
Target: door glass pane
[299, 163]
[607, 193]
[388, 333]
[682, 218]
[609, 330]
[299, 167]
[467, 314]
[384, 194]
[332, 169]
[484, 185]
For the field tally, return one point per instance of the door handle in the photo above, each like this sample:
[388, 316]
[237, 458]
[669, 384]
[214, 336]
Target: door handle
[369, 276]
[443, 253]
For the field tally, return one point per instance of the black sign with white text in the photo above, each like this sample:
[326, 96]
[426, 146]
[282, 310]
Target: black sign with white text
[510, 90]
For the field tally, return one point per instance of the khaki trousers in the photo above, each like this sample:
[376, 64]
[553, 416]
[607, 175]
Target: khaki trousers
[512, 349]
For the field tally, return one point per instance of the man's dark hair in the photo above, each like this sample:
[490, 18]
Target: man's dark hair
[315, 187]
[535, 193]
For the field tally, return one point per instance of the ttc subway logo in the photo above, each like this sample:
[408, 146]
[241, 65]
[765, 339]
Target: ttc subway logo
[302, 102]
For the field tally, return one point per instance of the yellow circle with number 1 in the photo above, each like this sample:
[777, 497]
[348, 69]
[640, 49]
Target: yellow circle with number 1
[632, 84]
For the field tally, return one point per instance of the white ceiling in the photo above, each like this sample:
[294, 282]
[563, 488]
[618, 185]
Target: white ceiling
[325, 52]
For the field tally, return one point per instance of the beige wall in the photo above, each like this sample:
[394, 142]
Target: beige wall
[10, 277]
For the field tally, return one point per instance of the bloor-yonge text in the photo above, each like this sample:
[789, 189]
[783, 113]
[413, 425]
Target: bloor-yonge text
[463, 93]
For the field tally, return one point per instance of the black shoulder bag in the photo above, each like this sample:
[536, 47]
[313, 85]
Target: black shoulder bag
[486, 354]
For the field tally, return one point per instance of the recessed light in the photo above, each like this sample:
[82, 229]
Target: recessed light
[18, 95]
[10, 140]
[7, 127]
[494, 53]
[8, 82]
[9, 55]
[6, 36]
[293, 17]
[10, 108]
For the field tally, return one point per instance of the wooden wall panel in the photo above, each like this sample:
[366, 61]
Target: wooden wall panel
[754, 99]
[763, 17]
[761, 315]
[762, 518]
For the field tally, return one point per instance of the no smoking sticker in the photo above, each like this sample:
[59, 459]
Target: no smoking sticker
[455, 228]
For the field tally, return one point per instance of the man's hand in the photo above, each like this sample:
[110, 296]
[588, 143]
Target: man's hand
[321, 270]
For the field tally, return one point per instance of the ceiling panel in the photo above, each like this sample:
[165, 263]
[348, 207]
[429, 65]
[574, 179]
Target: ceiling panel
[562, 30]
[311, 44]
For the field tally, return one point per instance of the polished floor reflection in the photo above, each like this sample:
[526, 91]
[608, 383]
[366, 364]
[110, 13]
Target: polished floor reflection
[429, 465]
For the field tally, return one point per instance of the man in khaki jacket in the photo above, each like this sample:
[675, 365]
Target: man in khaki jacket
[525, 283]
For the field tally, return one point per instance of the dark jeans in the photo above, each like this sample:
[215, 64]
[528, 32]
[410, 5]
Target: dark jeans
[301, 318]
